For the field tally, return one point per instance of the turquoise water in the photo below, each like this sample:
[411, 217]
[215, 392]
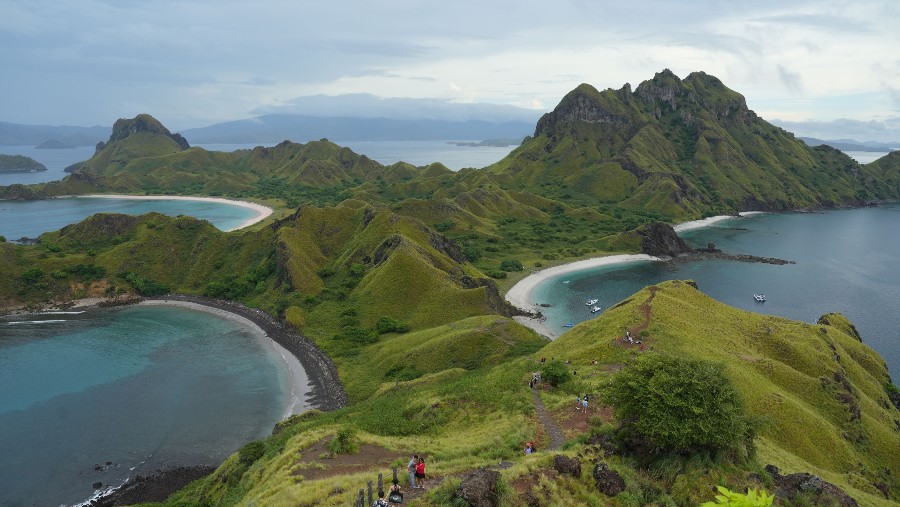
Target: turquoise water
[141, 387]
[30, 219]
[846, 261]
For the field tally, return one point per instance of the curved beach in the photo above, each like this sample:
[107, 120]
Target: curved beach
[298, 381]
[520, 295]
[262, 212]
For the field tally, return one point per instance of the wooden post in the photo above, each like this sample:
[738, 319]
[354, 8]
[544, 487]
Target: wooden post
[396, 480]
[380, 483]
[362, 498]
[371, 500]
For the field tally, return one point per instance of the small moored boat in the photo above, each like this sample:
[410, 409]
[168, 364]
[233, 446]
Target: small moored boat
[595, 309]
[568, 325]
[760, 298]
[591, 302]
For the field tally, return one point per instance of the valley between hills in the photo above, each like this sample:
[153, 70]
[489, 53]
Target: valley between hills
[397, 273]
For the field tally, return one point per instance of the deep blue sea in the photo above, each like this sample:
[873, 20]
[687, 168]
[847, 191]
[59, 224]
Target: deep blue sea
[141, 387]
[846, 261]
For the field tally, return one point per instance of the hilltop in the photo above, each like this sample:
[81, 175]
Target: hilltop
[19, 164]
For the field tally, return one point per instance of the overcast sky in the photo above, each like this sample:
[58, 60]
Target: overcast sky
[817, 64]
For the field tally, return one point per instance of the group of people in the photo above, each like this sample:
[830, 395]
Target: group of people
[416, 469]
[535, 379]
[581, 404]
[395, 497]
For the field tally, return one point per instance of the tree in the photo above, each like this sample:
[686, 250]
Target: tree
[667, 404]
[555, 373]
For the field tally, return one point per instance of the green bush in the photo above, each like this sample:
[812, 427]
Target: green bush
[358, 335]
[511, 265]
[32, 275]
[555, 373]
[493, 273]
[344, 442]
[2, 239]
[668, 404]
[753, 498]
[252, 452]
[388, 324]
[444, 226]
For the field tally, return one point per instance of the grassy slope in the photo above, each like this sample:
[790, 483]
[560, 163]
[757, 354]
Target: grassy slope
[472, 407]
[785, 370]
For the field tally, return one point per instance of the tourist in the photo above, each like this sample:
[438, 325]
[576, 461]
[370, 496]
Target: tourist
[395, 497]
[584, 404]
[420, 473]
[381, 502]
[411, 467]
[577, 403]
[528, 448]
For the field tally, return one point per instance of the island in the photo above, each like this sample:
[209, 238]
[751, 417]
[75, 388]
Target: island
[53, 144]
[20, 164]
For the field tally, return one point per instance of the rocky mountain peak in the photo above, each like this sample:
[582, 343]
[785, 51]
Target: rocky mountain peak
[584, 103]
[143, 123]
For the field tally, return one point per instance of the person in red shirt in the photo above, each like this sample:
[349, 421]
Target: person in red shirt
[420, 473]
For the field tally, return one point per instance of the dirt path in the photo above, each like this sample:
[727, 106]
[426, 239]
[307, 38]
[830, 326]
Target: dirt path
[557, 439]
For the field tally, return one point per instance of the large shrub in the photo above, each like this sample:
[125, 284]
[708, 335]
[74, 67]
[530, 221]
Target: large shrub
[667, 404]
[555, 373]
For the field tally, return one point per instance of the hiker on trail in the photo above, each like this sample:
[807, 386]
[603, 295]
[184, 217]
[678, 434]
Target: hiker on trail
[411, 467]
[577, 403]
[529, 448]
[420, 473]
[381, 502]
[584, 404]
[395, 496]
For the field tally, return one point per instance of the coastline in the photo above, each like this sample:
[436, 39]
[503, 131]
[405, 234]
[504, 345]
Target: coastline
[520, 295]
[262, 212]
[298, 380]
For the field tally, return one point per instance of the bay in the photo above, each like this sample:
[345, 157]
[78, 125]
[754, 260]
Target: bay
[141, 387]
[30, 219]
[845, 262]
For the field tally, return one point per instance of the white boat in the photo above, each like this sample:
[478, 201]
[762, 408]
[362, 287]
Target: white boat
[760, 298]
[591, 302]
[595, 309]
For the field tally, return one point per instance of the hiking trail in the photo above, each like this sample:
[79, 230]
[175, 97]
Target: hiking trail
[557, 439]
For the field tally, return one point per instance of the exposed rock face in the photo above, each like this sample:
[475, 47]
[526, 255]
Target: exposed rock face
[143, 123]
[567, 465]
[608, 482]
[824, 493]
[154, 488]
[579, 105]
[479, 488]
[659, 239]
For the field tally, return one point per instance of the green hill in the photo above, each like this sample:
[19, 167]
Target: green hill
[19, 164]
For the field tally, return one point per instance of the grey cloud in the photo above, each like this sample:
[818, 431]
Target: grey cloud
[835, 23]
[791, 80]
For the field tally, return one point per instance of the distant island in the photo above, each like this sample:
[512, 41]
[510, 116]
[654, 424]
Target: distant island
[498, 143]
[53, 144]
[19, 164]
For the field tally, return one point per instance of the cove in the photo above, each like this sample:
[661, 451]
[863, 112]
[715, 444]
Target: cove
[140, 387]
[845, 262]
[30, 219]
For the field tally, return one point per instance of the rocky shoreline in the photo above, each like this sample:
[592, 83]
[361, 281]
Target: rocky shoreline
[153, 488]
[327, 391]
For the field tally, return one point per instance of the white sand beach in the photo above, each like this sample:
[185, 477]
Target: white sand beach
[520, 294]
[299, 382]
[261, 211]
[706, 222]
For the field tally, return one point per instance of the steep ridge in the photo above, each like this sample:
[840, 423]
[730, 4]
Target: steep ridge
[684, 148]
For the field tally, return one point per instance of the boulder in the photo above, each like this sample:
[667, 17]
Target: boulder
[823, 492]
[660, 240]
[608, 482]
[567, 465]
[479, 488]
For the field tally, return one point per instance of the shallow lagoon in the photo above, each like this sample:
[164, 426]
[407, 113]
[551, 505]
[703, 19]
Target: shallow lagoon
[142, 387]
